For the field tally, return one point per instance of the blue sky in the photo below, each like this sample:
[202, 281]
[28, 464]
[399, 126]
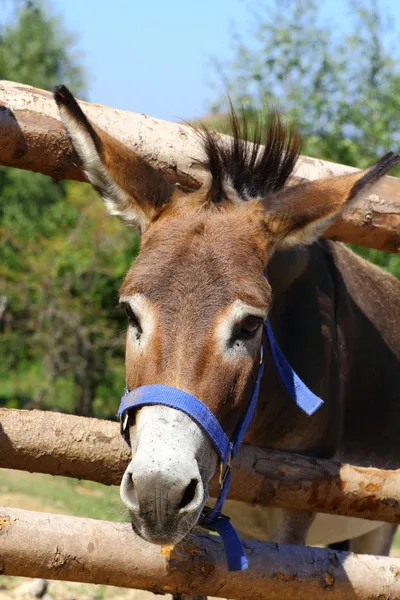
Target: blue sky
[155, 56]
[152, 56]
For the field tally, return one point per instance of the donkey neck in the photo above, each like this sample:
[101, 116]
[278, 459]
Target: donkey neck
[304, 322]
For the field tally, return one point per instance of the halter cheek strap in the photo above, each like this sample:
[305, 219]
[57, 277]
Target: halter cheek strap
[213, 519]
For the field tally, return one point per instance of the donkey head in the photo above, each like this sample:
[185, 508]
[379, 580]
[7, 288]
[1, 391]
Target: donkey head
[196, 296]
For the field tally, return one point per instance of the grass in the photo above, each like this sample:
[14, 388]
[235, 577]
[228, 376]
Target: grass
[60, 495]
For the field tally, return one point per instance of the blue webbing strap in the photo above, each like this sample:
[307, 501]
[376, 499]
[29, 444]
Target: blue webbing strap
[164, 395]
[234, 552]
[244, 425]
[301, 394]
[174, 398]
[213, 519]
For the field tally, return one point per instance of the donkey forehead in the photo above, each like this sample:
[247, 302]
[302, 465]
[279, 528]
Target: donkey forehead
[207, 260]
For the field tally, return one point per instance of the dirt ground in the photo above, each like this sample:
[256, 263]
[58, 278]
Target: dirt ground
[19, 588]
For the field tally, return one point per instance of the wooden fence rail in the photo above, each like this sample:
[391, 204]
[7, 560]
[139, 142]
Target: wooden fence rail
[33, 138]
[48, 442]
[34, 544]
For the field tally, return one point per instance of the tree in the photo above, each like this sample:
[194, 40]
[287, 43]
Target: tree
[61, 256]
[35, 49]
[341, 89]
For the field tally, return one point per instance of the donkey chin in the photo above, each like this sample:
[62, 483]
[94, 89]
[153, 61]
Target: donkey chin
[165, 486]
[169, 533]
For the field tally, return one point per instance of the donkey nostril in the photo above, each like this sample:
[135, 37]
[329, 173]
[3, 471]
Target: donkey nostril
[188, 494]
[128, 492]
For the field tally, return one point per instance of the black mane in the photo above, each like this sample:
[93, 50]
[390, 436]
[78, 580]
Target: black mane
[253, 170]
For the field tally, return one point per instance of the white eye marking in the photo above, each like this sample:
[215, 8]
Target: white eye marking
[146, 315]
[235, 314]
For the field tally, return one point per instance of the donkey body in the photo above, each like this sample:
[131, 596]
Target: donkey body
[337, 319]
[196, 300]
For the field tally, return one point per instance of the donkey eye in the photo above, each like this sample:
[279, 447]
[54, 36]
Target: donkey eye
[133, 319]
[248, 328]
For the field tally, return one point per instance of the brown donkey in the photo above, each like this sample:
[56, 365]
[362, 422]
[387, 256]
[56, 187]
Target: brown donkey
[196, 300]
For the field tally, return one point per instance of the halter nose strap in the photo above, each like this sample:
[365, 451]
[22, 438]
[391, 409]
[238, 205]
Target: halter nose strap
[212, 518]
[165, 395]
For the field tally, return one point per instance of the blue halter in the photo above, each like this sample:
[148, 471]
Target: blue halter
[212, 519]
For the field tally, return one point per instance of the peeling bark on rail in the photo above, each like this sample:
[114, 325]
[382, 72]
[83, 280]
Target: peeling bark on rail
[32, 137]
[34, 544]
[92, 449]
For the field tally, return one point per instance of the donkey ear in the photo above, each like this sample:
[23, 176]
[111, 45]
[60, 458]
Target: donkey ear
[300, 214]
[129, 186]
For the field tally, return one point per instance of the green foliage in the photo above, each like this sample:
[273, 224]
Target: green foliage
[62, 268]
[342, 88]
[62, 258]
[36, 50]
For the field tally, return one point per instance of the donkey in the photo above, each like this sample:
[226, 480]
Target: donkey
[213, 265]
